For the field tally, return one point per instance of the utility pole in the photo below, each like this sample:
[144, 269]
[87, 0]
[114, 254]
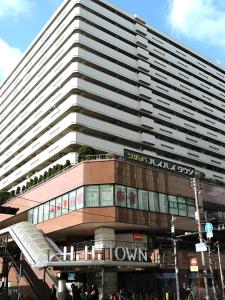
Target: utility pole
[175, 257]
[197, 210]
[221, 271]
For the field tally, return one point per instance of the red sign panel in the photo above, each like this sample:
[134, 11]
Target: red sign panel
[193, 261]
[138, 237]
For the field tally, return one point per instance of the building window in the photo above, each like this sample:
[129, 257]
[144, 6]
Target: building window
[30, 215]
[132, 197]
[35, 215]
[190, 208]
[92, 196]
[163, 203]
[46, 211]
[143, 199]
[120, 195]
[182, 207]
[72, 199]
[80, 198]
[173, 205]
[106, 195]
[153, 201]
[41, 213]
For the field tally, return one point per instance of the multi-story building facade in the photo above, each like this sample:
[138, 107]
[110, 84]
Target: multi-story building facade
[98, 76]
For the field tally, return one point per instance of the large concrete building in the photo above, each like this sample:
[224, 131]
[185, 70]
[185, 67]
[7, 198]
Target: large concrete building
[98, 76]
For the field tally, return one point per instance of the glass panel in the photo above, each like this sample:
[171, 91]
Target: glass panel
[80, 198]
[72, 199]
[30, 215]
[190, 208]
[46, 211]
[106, 195]
[52, 209]
[92, 196]
[163, 203]
[65, 204]
[173, 205]
[58, 203]
[131, 197]
[182, 206]
[35, 215]
[120, 195]
[153, 201]
[143, 199]
[41, 213]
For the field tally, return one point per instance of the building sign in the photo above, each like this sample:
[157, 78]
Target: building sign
[193, 264]
[159, 163]
[110, 253]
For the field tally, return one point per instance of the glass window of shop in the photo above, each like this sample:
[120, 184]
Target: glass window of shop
[153, 201]
[132, 197]
[163, 203]
[80, 198]
[58, 204]
[182, 207]
[72, 200]
[190, 208]
[65, 204]
[106, 195]
[143, 199]
[46, 211]
[91, 196]
[41, 213]
[52, 209]
[35, 215]
[173, 206]
[120, 195]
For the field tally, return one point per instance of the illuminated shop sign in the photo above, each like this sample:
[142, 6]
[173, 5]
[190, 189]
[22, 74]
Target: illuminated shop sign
[110, 253]
[159, 163]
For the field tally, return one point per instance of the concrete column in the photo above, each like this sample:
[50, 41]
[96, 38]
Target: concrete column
[105, 278]
[61, 289]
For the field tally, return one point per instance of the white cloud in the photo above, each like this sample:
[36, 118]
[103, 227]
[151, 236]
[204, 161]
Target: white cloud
[202, 20]
[9, 57]
[15, 7]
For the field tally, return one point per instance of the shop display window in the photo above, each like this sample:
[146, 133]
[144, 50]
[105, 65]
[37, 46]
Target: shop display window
[92, 196]
[72, 200]
[52, 209]
[163, 203]
[153, 201]
[132, 197]
[80, 198]
[65, 204]
[58, 204]
[120, 195]
[106, 195]
[143, 199]
[173, 205]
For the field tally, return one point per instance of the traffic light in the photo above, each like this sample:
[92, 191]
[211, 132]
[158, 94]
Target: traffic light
[8, 210]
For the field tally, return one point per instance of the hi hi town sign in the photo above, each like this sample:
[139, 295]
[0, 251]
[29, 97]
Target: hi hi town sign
[159, 163]
[90, 253]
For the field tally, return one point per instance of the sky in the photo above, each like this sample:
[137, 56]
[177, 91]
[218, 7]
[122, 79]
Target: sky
[197, 24]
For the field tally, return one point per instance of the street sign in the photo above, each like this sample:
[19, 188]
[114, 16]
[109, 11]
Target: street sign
[194, 268]
[201, 247]
[193, 261]
[208, 227]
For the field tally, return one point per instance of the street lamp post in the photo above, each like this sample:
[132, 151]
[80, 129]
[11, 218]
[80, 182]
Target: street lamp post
[174, 240]
[194, 186]
[221, 271]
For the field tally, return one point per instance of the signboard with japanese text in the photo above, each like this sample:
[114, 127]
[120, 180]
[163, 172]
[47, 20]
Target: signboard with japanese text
[159, 163]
